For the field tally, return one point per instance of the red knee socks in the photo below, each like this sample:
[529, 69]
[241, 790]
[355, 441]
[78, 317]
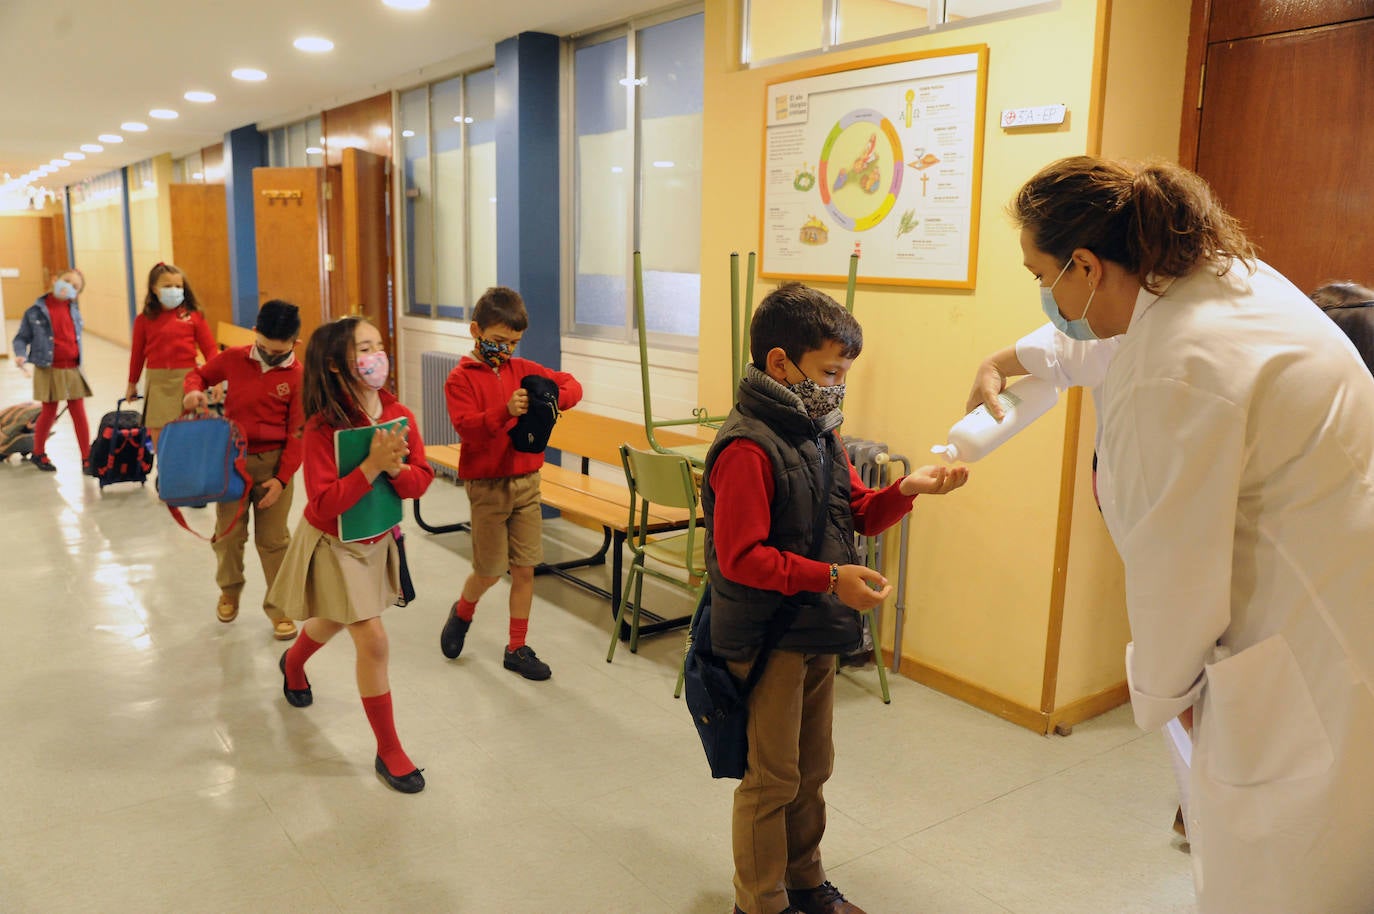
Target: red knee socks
[378, 708]
[518, 629]
[47, 414]
[77, 410]
[300, 652]
[464, 610]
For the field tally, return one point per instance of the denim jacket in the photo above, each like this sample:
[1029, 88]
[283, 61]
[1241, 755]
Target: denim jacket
[34, 339]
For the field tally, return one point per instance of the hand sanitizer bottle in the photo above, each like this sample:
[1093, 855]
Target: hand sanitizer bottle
[979, 434]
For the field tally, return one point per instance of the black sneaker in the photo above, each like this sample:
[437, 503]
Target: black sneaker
[43, 463]
[454, 634]
[523, 661]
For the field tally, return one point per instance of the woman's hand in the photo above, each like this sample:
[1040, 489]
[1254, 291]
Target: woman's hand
[988, 382]
[855, 587]
[933, 480]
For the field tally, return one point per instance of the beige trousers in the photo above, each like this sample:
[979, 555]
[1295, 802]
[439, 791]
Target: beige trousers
[271, 533]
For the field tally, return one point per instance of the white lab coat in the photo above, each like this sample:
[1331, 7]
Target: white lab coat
[1238, 485]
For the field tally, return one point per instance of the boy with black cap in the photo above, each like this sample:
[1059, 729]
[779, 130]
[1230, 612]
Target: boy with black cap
[264, 397]
[487, 397]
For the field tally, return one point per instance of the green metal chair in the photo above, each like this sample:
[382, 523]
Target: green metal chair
[666, 480]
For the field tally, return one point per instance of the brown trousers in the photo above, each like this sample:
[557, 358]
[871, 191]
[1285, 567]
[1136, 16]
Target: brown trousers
[271, 534]
[779, 813]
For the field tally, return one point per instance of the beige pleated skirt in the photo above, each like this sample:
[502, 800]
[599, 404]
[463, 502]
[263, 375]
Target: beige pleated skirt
[51, 385]
[323, 578]
[164, 395]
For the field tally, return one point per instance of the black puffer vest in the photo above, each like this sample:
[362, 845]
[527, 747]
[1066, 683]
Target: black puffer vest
[800, 450]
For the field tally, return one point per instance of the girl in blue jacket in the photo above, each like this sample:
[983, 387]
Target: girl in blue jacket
[50, 337]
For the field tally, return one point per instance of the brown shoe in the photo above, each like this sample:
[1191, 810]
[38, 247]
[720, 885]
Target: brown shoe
[284, 630]
[823, 899]
[227, 610]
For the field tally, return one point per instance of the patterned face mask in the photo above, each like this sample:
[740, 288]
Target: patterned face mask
[493, 353]
[819, 401]
[373, 368]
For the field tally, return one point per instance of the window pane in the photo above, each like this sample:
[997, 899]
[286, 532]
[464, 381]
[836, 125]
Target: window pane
[481, 107]
[446, 113]
[314, 139]
[671, 64]
[295, 145]
[860, 19]
[779, 27]
[604, 168]
[417, 203]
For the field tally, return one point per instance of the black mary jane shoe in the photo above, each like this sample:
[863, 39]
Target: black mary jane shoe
[296, 698]
[406, 783]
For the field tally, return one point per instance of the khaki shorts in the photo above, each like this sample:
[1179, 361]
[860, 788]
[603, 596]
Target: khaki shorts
[507, 527]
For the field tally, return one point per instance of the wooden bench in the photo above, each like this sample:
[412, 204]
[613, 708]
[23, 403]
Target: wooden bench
[579, 496]
[229, 335]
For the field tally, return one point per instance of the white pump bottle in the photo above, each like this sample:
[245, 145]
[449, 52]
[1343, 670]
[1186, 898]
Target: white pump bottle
[979, 434]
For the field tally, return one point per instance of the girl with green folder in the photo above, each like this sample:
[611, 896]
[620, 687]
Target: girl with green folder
[362, 454]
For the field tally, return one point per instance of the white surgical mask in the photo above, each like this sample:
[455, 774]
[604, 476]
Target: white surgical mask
[1075, 329]
[171, 296]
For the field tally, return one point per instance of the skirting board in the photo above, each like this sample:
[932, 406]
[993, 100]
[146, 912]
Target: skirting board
[1032, 719]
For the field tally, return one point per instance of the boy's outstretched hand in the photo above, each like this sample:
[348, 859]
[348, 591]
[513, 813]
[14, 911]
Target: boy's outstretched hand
[934, 480]
[855, 588]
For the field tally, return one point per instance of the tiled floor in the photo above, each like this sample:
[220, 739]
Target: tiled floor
[152, 765]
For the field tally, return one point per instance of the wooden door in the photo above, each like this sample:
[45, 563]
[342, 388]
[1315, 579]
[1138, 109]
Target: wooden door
[52, 232]
[365, 267]
[1285, 131]
[200, 246]
[289, 215]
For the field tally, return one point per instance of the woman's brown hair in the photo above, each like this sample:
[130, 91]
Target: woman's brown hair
[151, 306]
[1158, 220]
[327, 386]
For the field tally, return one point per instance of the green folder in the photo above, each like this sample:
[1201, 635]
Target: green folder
[380, 509]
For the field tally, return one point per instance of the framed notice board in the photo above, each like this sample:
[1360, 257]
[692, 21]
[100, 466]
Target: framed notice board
[883, 157]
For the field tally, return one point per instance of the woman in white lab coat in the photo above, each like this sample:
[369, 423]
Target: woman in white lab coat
[1237, 480]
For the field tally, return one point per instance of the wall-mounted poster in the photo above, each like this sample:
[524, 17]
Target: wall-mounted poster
[883, 157]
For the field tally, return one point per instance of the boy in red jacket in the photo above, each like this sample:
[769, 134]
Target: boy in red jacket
[265, 399]
[484, 401]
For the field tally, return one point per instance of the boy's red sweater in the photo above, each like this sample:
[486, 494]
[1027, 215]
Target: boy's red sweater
[267, 404]
[327, 496]
[169, 340]
[477, 395]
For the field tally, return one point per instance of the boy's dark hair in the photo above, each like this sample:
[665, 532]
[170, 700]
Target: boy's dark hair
[151, 307]
[501, 305]
[279, 320]
[327, 384]
[798, 319]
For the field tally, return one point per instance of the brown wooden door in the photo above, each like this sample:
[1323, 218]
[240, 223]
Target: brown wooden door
[1285, 136]
[52, 233]
[365, 263]
[289, 214]
[200, 247]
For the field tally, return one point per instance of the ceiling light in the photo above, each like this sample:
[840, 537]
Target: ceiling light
[314, 151]
[313, 44]
[407, 4]
[407, 133]
[197, 175]
[627, 81]
[74, 156]
[201, 97]
[462, 120]
[663, 164]
[163, 114]
[248, 74]
[91, 147]
[110, 138]
[62, 163]
[133, 127]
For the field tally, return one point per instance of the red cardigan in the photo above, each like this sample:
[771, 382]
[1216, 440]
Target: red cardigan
[267, 404]
[742, 477]
[477, 395]
[327, 496]
[169, 340]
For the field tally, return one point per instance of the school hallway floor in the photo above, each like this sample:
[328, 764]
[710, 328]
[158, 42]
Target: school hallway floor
[152, 764]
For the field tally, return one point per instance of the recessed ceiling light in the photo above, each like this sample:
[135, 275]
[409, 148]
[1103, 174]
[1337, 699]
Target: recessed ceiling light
[201, 97]
[407, 4]
[314, 151]
[133, 127]
[407, 133]
[163, 114]
[662, 163]
[111, 138]
[74, 156]
[62, 163]
[91, 147]
[313, 44]
[248, 74]
[462, 120]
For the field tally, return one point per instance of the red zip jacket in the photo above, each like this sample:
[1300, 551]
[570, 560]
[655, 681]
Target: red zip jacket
[327, 496]
[742, 477]
[169, 340]
[477, 395]
[267, 404]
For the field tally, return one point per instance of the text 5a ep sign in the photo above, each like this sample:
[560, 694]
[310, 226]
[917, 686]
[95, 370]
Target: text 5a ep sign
[1033, 117]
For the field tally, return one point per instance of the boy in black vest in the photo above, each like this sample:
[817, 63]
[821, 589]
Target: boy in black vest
[776, 476]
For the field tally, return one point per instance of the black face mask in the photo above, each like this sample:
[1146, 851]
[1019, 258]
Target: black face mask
[273, 359]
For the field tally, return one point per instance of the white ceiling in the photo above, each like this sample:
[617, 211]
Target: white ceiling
[71, 70]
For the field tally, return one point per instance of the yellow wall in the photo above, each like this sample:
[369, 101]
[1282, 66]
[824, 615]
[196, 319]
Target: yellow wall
[98, 240]
[21, 248]
[980, 561]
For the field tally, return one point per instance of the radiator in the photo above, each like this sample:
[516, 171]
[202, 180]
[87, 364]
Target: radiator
[435, 426]
[871, 461]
